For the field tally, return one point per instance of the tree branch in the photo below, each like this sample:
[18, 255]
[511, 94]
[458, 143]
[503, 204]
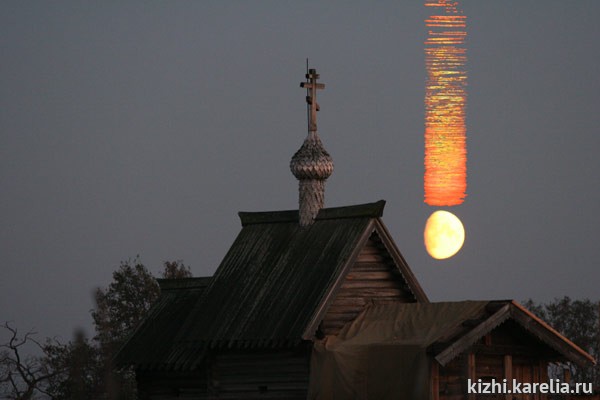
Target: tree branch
[24, 375]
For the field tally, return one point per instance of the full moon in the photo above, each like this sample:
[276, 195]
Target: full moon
[444, 235]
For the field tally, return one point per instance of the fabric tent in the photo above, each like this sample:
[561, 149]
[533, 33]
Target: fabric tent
[382, 353]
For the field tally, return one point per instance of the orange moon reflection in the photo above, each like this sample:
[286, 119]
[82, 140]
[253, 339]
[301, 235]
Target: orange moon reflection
[444, 235]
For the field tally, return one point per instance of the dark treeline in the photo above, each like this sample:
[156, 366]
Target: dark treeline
[83, 368]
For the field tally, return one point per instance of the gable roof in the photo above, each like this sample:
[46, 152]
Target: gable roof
[505, 310]
[273, 286]
[451, 328]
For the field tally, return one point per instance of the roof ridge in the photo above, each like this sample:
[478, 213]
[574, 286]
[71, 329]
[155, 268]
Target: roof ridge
[367, 210]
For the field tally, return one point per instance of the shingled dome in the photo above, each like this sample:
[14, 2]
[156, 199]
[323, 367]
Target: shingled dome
[312, 161]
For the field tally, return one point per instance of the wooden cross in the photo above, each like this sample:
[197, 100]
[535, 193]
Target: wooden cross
[311, 87]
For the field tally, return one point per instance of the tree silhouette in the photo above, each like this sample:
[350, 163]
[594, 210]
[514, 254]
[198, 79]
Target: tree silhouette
[22, 377]
[83, 369]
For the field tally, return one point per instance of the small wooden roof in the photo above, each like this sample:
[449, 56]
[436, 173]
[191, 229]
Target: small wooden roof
[399, 340]
[501, 311]
[448, 329]
[271, 289]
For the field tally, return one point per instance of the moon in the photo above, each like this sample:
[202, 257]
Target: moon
[444, 235]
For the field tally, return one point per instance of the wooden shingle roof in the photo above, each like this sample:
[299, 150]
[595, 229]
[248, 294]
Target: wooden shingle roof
[270, 289]
[148, 346]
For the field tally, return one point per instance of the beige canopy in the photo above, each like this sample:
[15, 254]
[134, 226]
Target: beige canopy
[382, 353]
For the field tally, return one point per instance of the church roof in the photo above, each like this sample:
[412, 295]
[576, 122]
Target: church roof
[271, 289]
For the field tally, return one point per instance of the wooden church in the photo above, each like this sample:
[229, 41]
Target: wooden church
[319, 303]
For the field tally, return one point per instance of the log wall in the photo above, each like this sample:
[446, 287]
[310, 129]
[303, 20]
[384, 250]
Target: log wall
[234, 374]
[171, 385]
[374, 276]
[261, 375]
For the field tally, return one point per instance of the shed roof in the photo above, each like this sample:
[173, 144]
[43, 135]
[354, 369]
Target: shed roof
[268, 290]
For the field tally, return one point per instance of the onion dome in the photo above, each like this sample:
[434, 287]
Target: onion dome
[312, 161]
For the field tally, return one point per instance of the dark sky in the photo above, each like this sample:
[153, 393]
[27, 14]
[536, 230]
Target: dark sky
[144, 127]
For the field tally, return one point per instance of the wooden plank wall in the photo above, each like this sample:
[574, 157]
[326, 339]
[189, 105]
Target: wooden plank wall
[169, 385]
[260, 375]
[266, 374]
[453, 377]
[373, 277]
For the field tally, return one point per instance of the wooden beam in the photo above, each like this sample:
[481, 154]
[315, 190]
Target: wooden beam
[535, 377]
[308, 85]
[487, 339]
[567, 375]
[471, 373]
[508, 375]
[543, 367]
[472, 336]
[435, 380]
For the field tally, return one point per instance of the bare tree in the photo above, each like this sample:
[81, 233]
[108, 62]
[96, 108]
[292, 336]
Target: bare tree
[22, 377]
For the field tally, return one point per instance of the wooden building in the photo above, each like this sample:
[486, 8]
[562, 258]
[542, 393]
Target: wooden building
[250, 327]
[298, 287]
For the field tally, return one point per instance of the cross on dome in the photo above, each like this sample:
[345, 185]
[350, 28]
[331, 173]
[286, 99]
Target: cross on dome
[311, 87]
